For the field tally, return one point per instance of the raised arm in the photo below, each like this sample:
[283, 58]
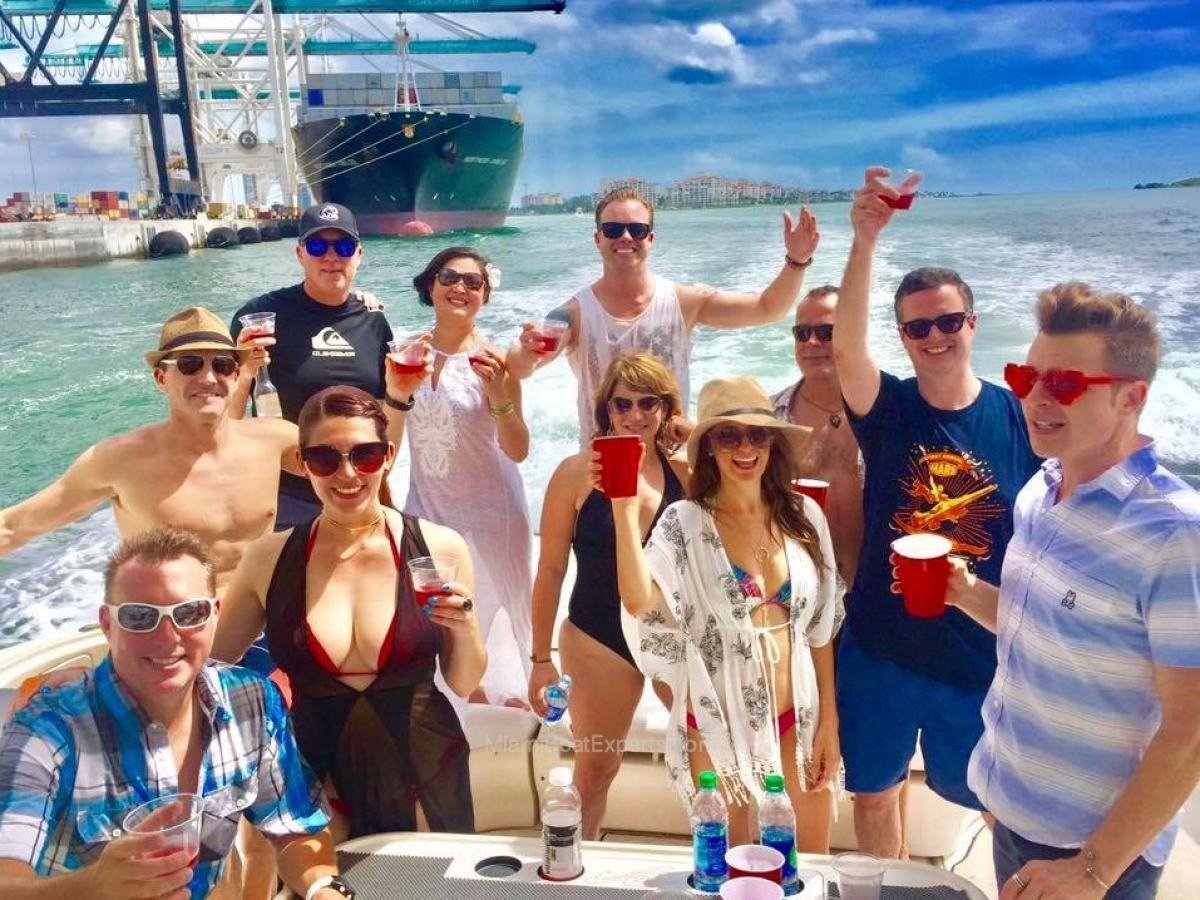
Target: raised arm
[857, 370]
[400, 389]
[523, 358]
[557, 526]
[260, 357]
[503, 393]
[703, 305]
[84, 486]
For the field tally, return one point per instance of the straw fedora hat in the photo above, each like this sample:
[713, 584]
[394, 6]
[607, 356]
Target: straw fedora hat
[194, 328]
[741, 400]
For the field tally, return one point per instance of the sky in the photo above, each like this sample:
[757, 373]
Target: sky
[980, 96]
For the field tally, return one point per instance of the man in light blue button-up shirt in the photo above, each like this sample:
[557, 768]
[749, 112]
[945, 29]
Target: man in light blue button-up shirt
[1091, 742]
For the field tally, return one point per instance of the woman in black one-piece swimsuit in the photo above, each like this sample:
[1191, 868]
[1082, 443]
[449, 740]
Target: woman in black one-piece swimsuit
[343, 623]
[639, 396]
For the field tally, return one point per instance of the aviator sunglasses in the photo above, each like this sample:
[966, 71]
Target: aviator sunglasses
[1064, 385]
[729, 437]
[624, 405]
[950, 323]
[802, 333]
[142, 618]
[473, 280]
[613, 230]
[343, 247]
[323, 460]
[190, 364]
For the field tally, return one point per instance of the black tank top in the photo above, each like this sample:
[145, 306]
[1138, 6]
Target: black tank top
[595, 604]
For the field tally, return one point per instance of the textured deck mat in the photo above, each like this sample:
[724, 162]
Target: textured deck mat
[910, 893]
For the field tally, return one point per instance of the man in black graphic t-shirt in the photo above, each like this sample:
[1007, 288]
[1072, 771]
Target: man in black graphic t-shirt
[324, 336]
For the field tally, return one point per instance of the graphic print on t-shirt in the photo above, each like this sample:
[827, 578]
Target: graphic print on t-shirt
[327, 342]
[950, 493]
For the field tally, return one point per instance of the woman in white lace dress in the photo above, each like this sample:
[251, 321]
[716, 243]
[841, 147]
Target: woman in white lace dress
[466, 434]
[732, 604]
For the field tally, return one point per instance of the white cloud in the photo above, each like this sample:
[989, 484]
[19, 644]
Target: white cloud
[714, 34]
[925, 158]
[831, 37]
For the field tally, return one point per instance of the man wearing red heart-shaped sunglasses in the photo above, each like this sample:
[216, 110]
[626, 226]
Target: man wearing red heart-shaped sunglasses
[1091, 736]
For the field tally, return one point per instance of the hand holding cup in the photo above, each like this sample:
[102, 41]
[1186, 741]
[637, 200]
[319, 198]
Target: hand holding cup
[409, 361]
[258, 333]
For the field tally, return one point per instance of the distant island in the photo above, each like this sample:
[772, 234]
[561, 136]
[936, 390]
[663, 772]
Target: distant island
[1187, 182]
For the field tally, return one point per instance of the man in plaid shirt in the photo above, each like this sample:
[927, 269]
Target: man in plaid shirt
[155, 718]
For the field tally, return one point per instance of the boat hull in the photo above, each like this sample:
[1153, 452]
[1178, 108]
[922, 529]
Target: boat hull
[413, 173]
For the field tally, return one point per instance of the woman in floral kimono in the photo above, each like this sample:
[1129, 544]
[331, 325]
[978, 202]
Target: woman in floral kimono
[466, 434]
[732, 604]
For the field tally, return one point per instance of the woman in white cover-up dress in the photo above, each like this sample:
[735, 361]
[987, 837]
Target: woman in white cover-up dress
[466, 434]
[733, 606]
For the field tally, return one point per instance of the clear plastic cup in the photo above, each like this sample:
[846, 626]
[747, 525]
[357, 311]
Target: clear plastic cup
[407, 356]
[260, 324]
[177, 817]
[429, 573]
[859, 875]
[550, 334]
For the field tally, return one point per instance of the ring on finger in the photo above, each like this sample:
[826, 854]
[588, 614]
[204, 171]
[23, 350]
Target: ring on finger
[468, 605]
[1021, 882]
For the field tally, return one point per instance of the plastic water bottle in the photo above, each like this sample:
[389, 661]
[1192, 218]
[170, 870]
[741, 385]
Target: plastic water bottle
[710, 835]
[562, 822]
[558, 695]
[266, 396]
[777, 825]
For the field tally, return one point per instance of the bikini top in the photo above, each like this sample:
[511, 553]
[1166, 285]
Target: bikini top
[385, 650]
[751, 591]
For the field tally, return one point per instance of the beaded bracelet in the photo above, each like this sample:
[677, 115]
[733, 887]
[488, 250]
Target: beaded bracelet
[506, 409]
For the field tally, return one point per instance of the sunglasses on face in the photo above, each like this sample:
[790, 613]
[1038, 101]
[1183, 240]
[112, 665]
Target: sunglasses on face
[142, 618]
[473, 280]
[190, 364]
[323, 460]
[730, 437]
[613, 230]
[624, 405]
[950, 323]
[802, 333]
[1064, 385]
[343, 247]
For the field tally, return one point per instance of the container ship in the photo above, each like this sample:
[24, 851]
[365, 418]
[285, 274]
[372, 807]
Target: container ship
[433, 151]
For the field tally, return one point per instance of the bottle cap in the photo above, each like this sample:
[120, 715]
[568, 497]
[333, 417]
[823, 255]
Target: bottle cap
[566, 681]
[773, 784]
[561, 776]
[708, 780]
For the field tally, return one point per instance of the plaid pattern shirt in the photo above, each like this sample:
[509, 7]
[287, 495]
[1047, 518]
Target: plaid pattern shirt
[76, 759]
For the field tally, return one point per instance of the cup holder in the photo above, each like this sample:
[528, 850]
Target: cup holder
[498, 867]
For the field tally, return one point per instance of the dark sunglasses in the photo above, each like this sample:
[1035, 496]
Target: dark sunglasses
[190, 364]
[623, 405]
[323, 460]
[730, 437]
[950, 323]
[1064, 385]
[142, 618]
[802, 333]
[613, 230]
[343, 247]
[473, 280]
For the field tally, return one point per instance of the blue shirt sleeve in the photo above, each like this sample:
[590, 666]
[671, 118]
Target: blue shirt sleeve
[1171, 604]
[36, 778]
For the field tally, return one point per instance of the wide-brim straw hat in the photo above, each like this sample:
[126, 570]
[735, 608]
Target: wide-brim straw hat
[741, 400]
[194, 328]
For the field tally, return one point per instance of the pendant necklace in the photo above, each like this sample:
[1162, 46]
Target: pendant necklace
[835, 416]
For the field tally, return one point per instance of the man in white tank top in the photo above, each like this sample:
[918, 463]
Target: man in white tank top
[630, 309]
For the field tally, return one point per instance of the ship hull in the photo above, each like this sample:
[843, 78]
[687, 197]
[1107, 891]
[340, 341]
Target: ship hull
[445, 171]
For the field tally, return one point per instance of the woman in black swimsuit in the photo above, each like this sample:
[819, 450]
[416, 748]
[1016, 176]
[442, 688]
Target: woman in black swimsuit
[343, 623]
[637, 396]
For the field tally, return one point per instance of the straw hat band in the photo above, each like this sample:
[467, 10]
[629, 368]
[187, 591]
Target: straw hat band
[196, 337]
[744, 411]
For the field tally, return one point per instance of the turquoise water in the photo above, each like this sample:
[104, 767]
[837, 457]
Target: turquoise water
[71, 369]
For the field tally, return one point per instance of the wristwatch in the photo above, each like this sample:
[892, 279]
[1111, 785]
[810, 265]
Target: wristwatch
[402, 405]
[334, 883]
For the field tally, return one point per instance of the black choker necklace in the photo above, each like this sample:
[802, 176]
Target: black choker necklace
[835, 416]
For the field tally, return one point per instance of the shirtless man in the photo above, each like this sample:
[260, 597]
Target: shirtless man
[815, 401]
[631, 309]
[199, 470]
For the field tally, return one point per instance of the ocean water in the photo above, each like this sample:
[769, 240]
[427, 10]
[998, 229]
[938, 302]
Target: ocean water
[71, 369]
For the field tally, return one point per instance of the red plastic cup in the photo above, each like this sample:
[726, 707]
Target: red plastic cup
[812, 487]
[407, 357]
[755, 861]
[908, 192]
[619, 458]
[923, 567]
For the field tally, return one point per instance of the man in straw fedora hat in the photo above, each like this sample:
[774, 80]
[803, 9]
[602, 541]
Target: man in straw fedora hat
[733, 605]
[199, 470]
